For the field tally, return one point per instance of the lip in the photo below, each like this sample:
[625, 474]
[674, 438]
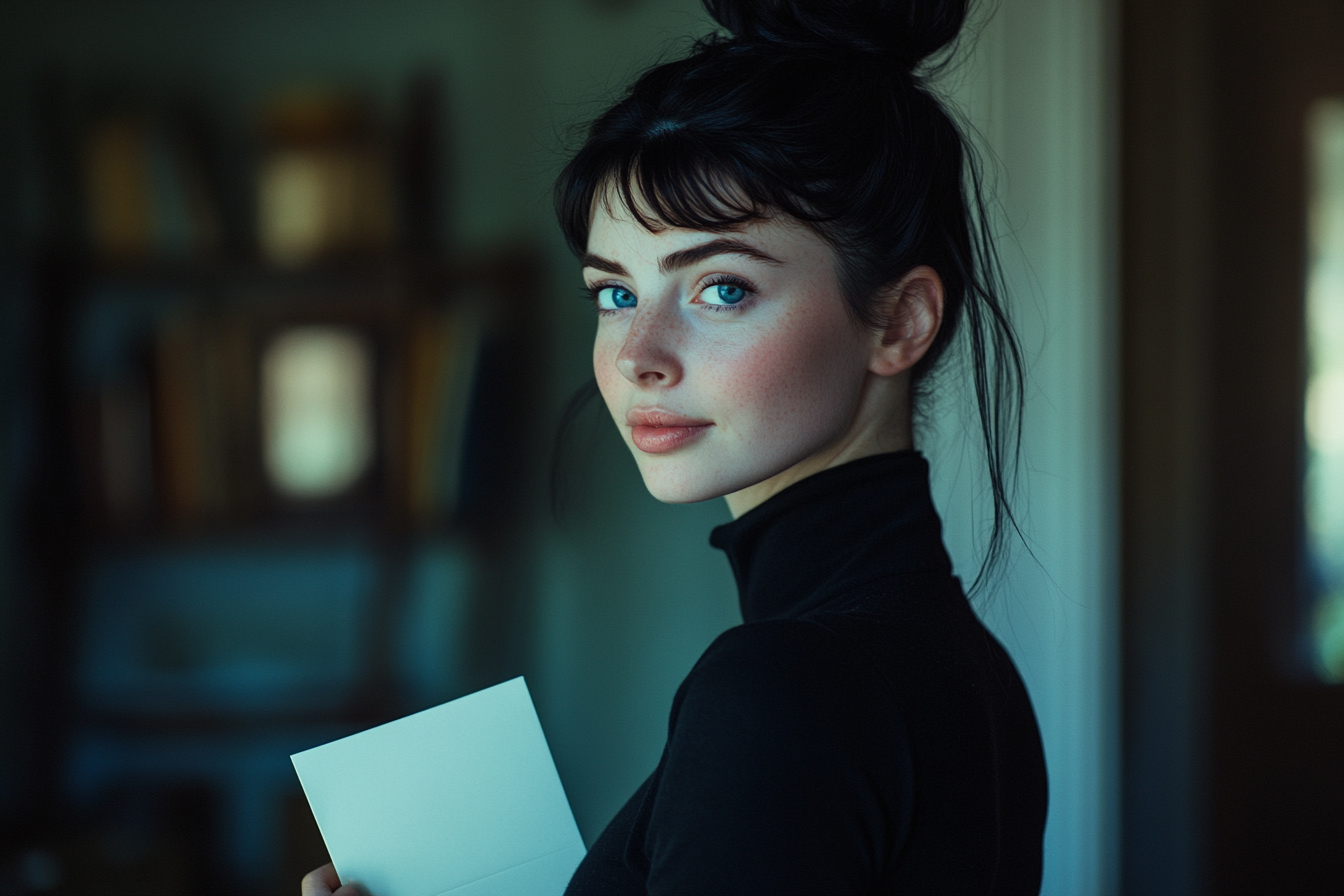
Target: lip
[656, 431]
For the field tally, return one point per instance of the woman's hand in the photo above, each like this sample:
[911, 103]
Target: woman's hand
[324, 882]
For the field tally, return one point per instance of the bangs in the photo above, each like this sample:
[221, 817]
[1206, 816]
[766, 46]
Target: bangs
[666, 182]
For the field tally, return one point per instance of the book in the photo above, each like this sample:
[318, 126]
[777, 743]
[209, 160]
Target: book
[442, 351]
[146, 193]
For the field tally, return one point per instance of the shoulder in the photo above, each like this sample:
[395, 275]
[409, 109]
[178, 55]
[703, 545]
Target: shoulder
[787, 769]
[786, 677]
[792, 647]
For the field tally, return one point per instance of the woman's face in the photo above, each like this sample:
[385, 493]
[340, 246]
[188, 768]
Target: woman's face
[724, 358]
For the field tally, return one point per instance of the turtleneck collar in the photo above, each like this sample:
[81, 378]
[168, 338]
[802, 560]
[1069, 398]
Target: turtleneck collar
[832, 532]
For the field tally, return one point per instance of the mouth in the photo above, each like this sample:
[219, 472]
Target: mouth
[655, 431]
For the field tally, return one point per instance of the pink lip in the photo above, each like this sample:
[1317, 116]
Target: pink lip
[655, 431]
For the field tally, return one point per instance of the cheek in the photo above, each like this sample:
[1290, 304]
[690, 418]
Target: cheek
[802, 376]
[605, 349]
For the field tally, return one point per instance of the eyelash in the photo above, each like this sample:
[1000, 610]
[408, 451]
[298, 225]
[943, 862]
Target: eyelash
[728, 280]
[592, 292]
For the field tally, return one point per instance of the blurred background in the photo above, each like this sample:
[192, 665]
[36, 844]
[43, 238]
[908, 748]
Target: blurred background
[286, 327]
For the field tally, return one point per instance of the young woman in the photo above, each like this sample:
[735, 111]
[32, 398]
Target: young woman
[782, 233]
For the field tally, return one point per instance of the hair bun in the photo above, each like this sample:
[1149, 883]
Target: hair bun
[905, 32]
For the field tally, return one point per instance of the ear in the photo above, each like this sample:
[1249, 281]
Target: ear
[913, 310]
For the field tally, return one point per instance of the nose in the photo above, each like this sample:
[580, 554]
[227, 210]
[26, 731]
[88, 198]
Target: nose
[649, 357]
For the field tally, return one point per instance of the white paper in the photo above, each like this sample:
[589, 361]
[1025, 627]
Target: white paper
[462, 798]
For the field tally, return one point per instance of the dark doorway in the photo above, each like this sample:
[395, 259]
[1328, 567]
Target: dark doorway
[1234, 751]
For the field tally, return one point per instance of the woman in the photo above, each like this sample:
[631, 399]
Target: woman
[782, 233]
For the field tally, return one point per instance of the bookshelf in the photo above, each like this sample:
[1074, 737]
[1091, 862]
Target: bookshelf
[278, 490]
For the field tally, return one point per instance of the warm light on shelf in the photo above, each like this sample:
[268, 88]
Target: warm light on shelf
[317, 414]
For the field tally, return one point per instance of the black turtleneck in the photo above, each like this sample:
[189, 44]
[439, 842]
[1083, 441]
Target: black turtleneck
[860, 732]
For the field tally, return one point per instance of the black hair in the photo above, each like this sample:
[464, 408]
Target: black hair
[823, 110]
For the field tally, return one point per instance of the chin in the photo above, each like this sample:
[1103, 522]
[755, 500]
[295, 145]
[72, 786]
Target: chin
[688, 480]
[673, 483]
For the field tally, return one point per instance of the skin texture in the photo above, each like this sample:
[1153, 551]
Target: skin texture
[324, 882]
[786, 380]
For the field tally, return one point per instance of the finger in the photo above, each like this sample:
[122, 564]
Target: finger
[322, 881]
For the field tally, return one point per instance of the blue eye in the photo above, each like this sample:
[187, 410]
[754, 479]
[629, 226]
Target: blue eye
[610, 298]
[723, 294]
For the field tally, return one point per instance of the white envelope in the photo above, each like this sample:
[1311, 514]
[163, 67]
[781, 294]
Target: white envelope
[462, 798]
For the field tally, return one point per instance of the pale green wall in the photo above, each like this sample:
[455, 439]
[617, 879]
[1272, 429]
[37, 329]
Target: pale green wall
[1041, 91]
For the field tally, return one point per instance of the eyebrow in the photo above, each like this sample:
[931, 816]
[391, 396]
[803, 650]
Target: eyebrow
[685, 257]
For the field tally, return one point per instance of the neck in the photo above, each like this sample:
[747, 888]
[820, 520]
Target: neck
[834, 532]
